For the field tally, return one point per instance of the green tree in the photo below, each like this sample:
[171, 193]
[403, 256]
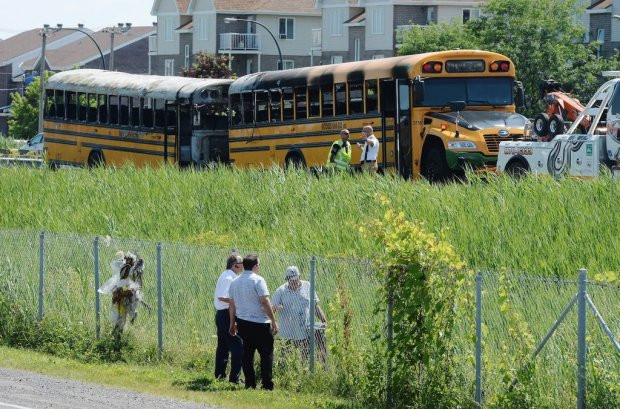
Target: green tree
[24, 119]
[436, 37]
[209, 66]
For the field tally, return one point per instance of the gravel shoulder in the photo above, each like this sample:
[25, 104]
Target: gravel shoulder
[27, 390]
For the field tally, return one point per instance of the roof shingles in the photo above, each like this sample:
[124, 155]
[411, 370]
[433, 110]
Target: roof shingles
[277, 6]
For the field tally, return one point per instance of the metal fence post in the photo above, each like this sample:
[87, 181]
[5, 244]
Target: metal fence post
[390, 341]
[97, 305]
[478, 339]
[41, 272]
[160, 305]
[581, 340]
[312, 310]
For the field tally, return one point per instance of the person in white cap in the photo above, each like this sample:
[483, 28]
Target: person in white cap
[292, 302]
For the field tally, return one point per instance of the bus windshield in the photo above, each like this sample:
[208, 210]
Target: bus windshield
[491, 91]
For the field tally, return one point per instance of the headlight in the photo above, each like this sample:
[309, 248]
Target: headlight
[456, 145]
[527, 130]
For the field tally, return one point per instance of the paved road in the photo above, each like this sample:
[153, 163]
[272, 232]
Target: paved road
[27, 390]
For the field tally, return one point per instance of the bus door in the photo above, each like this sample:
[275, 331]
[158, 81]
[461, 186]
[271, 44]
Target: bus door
[185, 125]
[396, 108]
[388, 119]
[171, 125]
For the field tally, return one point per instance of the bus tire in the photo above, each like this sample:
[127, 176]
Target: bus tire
[541, 124]
[95, 159]
[295, 160]
[434, 165]
[556, 125]
[517, 168]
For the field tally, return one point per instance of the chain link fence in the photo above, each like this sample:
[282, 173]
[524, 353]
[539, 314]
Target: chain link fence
[517, 311]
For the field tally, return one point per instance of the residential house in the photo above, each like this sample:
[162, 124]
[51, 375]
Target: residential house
[602, 22]
[188, 27]
[13, 52]
[130, 52]
[355, 30]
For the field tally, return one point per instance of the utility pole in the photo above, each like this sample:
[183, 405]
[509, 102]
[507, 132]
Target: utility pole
[121, 28]
[45, 31]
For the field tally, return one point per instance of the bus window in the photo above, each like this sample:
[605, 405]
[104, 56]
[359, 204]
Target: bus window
[314, 108]
[356, 98]
[247, 102]
[113, 109]
[147, 113]
[124, 111]
[102, 106]
[276, 105]
[372, 101]
[327, 100]
[50, 109]
[341, 99]
[171, 112]
[134, 113]
[262, 99]
[60, 103]
[160, 117]
[235, 107]
[300, 103]
[287, 102]
[71, 106]
[82, 106]
[92, 107]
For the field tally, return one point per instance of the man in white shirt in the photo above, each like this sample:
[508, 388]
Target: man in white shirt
[370, 150]
[226, 343]
[292, 301]
[251, 315]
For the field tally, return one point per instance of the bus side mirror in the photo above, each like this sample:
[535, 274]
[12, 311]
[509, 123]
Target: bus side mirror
[520, 95]
[418, 90]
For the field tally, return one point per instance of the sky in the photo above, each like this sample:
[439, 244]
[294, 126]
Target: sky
[22, 15]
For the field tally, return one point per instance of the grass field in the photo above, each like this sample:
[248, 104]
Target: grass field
[532, 228]
[538, 225]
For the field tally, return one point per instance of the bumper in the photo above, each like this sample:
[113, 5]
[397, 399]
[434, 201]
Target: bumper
[475, 160]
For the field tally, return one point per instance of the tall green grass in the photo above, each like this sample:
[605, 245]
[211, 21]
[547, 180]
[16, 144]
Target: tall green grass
[537, 225]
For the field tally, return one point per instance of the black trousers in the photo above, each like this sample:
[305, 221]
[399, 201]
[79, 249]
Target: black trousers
[255, 337]
[227, 344]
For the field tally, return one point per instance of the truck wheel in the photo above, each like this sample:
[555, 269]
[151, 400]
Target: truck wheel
[556, 125]
[95, 159]
[434, 165]
[541, 124]
[516, 169]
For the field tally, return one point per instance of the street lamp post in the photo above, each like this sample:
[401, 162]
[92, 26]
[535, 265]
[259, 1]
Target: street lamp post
[80, 29]
[121, 28]
[229, 19]
[45, 31]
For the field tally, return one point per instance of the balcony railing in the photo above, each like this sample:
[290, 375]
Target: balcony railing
[153, 44]
[239, 41]
[316, 38]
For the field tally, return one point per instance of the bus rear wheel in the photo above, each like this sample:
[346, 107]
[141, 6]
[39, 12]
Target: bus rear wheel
[434, 165]
[95, 159]
[294, 160]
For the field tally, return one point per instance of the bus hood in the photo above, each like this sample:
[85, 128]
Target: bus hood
[477, 120]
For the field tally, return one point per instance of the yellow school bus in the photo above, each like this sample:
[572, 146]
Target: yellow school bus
[434, 114]
[103, 117]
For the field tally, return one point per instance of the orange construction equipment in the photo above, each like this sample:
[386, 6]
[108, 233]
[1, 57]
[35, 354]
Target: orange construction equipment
[561, 108]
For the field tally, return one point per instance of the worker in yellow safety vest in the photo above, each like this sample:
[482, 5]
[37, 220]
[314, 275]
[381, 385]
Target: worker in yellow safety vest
[340, 153]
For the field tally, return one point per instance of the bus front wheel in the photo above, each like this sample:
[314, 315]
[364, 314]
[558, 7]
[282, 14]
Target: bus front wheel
[434, 165]
[95, 159]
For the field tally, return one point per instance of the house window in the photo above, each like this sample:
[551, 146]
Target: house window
[186, 60]
[430, 15]
[378, 18]
[168, 28]
[470, 14]
[336, 59]
[288, 64]
[287, 28]
[600, 35]
[203, 33]
[169, 67]
[378, 57]
[335, 23]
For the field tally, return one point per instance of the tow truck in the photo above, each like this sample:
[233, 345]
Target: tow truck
[573, 153]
